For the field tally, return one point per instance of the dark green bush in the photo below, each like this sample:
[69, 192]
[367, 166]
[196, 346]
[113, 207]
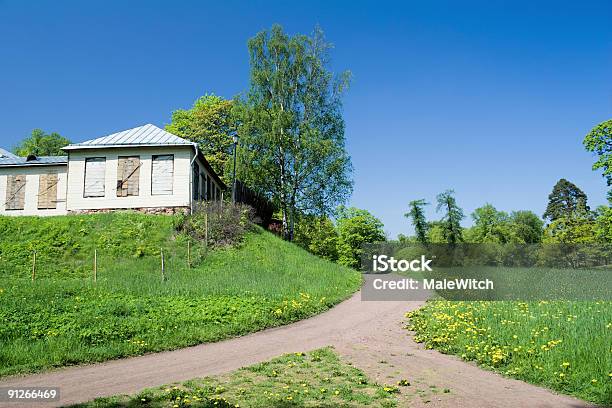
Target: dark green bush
[218, 224]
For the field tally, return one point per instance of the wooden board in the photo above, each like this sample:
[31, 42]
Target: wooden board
[15, 192]
[162, 175]
[47, 191]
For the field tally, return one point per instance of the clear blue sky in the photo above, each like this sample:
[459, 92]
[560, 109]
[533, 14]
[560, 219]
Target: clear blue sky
[490, 98]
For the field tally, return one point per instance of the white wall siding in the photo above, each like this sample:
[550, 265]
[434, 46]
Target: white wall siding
[32, 174]
[181, 176]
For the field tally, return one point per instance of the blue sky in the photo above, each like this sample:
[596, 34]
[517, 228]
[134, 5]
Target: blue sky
[490, 98]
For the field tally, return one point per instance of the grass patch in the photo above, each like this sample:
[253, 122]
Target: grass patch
[565, 346]
[65, 318]
[315, 379]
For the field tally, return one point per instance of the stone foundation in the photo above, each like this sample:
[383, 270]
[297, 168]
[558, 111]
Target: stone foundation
[144, 210]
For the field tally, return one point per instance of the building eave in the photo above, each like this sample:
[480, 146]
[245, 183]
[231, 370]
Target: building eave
[122, 146]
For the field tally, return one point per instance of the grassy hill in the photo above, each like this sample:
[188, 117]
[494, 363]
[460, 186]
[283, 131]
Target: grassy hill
[64, 317]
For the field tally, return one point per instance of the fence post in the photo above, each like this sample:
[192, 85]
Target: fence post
[189, 254]
[163, 266]
[206, 230]
[95, 265]
[34, 266]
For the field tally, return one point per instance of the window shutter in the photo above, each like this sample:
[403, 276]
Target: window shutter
[128, 176]
[94, 177]
[121, 181]
[162, 175]
[47, 191]
[15, 192]
[134, 177]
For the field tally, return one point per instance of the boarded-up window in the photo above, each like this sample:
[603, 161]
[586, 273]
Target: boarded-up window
[15, 192]
[95, 169]
[47, 191]
[162, 175]
[128, 176]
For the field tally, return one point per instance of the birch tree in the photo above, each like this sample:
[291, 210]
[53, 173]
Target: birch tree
[292, 145]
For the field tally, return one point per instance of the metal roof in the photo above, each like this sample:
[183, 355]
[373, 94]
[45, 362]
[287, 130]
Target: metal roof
[148, 135]
[5, 154]
[38, 161]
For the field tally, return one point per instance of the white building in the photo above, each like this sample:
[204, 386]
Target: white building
[145, 169]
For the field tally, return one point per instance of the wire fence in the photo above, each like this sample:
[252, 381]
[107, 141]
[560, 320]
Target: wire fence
[97, 264]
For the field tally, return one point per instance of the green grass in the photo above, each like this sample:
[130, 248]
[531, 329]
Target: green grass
[64, 318]
[315, 379]
[563, 345]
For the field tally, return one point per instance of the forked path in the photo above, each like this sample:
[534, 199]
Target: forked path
[368, 334]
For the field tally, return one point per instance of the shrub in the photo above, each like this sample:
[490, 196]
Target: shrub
[218, 224]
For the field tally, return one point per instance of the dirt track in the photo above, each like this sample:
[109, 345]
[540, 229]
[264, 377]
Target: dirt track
[368, 334]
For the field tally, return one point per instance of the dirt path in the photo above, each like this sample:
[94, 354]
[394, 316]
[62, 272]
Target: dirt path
[368, 334]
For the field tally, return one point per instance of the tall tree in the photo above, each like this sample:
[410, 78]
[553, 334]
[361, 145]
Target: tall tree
[526, 227]
[566, 200]
[292, 130]
[417, 214]
[490, 225]
[40, 143]
[453, 214]
[599, 141]
[356, 227]
[211, 124]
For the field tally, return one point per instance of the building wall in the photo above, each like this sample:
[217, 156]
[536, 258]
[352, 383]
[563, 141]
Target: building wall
[215, 193]
[180, 197]
[32, 174]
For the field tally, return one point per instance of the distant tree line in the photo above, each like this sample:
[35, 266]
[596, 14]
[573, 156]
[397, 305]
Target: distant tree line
[567, 219]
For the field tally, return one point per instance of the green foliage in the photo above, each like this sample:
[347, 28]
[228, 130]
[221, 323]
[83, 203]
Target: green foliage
[493, 226]
[318, 235]
[490, 226]
[435, 232]
[210, 123]
[525, 227]
[40, 143]
[603, 224]
[564, 346]
[292, 130]
[599, 141]
[566, 201]
[318, 378]
[218, 224]
[417, 215]
[356, 227]
[451, 221]
[65, 318]
[575, 230]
